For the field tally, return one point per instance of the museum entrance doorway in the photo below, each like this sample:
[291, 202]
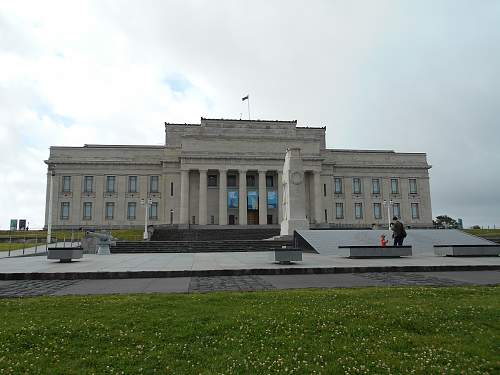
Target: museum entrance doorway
[231, 220]
[253, 217]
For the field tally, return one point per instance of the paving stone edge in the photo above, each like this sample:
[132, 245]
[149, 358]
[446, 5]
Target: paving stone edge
[235, 272]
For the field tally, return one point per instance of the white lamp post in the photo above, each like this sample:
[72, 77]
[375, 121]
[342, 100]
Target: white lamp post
[388, 204]
[49, 218]
[146, 204]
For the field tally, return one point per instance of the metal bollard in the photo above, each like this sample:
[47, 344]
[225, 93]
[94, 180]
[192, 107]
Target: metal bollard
[24, 244]
[36, 243]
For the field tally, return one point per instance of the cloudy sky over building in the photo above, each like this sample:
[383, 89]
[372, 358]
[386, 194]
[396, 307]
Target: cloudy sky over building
[419, 76]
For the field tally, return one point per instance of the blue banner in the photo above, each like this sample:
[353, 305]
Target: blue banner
[232, 199]
[272, 199]
[253, 200]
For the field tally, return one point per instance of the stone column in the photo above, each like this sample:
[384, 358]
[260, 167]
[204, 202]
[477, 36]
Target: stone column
[317, 197]
[262, 198]
[184, 209]
[202, 201]
[222, 197]
[242, 220]
[280, 196]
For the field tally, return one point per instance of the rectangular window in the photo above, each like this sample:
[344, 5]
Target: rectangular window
[231, 180]
[326, 216]
[212, 219]
[394, 186]
[87, 211]
[110, 184]
[338, 185]
[269, 181]
[375, 186]
[413, 185]
[414, 211]
[88, 182]
[377, 211]
[324, 190]
[212, 180]
[171, 189]
[251, 180]
[396, 210]
[132, 184]
[131, 209]
[66, 184]
[153, 211]
[154, 184]
[171, 216]
[64, 210]
[110, 210]
[356, 185]
[358, 210]
[339, 210]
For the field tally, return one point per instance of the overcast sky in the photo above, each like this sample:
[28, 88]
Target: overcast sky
[419, 76]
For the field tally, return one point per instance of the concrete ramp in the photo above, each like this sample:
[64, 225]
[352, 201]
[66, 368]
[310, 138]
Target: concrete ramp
[326, 242]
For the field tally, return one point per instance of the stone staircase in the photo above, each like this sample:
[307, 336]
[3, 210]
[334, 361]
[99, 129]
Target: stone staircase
[124, 247]
[216, 234]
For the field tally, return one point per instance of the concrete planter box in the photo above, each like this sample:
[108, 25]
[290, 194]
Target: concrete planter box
[65, 254]
[378, 251]
[467, 250]
[286, 256]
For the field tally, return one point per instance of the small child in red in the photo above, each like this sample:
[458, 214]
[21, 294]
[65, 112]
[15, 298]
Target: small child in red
[383, 241]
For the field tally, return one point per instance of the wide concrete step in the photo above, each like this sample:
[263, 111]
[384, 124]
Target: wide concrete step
[174, 234]
[196, 246]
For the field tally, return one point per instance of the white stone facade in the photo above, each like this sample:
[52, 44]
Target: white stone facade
[190, 178]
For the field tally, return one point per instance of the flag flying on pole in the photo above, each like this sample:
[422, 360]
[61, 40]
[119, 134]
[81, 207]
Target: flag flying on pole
[244, 98]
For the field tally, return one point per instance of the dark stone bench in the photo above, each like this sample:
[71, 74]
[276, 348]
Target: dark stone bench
[467, 250]
[65, 254]
[286, 255]
[372, 251]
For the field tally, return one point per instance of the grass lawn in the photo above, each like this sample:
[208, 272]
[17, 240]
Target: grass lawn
[121, 234]
[484, 232]
[5, 246]
[371, 330]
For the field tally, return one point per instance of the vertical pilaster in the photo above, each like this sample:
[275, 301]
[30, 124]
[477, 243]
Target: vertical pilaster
[222, 197]
[317, 197]
[262, 198]
[184, 209]
[243, 197]
[203, 197]
[280, 197]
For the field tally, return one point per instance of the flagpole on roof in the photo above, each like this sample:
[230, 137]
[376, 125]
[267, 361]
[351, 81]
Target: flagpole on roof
[247, 98]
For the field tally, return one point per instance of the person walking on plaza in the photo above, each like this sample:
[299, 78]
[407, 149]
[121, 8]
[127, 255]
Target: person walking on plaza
[398, 232]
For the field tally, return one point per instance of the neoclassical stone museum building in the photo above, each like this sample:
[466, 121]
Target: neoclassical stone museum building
[229, 172]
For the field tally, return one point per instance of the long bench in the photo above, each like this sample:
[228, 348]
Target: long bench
[65, 254]
[372, 251]
[467, 250]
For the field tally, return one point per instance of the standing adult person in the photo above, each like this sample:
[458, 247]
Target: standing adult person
[398, 231]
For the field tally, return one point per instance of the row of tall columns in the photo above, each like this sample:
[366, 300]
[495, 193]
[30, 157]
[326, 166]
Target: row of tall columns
[184, 203]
